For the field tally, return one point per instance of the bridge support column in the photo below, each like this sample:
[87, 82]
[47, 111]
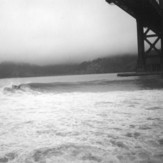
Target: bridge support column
[161, 5]
[151, 58]
[140, 38]
[162, 49]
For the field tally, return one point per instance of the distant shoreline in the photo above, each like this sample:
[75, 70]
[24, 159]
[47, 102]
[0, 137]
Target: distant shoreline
[114, 64]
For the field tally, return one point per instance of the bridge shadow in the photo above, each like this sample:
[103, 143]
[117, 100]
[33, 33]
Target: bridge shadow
[150, 82]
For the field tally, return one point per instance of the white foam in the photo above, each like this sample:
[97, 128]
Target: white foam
[119, 124]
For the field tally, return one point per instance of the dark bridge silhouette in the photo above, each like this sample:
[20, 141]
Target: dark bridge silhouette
[149, 18]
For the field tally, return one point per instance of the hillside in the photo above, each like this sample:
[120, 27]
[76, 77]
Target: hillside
[114, 64]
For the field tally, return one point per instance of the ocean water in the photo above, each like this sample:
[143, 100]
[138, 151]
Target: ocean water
[81, 119]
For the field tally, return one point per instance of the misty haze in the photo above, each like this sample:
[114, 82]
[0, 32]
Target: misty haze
[59, 31]
[81, 81]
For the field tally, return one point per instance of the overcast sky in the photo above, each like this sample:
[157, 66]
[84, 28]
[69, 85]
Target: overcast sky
[55, 31]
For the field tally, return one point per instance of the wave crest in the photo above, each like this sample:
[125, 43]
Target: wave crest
[16, 88]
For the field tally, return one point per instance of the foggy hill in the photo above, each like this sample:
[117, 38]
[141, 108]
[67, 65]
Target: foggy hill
[112, 64]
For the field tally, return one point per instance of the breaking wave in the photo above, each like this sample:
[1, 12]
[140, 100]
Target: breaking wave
[88, 86]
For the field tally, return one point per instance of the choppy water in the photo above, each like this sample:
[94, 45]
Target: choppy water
[81, 119]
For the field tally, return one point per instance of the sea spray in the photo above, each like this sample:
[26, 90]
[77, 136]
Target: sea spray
[82, 126]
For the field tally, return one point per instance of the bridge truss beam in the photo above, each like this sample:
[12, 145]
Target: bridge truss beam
[149, 17]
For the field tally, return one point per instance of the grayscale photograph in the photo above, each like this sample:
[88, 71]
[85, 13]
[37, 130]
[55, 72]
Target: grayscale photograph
[81, 81]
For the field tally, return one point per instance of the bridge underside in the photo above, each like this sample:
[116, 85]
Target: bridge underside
[149, 17]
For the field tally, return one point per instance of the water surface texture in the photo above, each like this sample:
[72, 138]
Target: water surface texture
[81, 119]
